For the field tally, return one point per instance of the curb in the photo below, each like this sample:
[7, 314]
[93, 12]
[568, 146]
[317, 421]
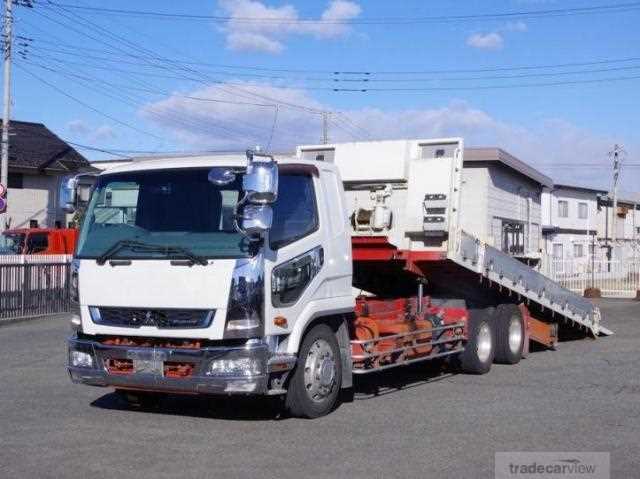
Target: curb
[41, 317]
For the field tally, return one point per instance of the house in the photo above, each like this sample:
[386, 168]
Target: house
[501, 201]
[38, 159]
[571, 222]
[578, 224]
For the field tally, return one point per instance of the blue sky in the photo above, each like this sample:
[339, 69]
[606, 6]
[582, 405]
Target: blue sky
[102, 60]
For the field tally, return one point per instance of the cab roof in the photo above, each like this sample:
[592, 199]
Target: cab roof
[191, 161]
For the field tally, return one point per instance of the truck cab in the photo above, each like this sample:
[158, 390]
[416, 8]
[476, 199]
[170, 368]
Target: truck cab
[40, 241]
[204, 274]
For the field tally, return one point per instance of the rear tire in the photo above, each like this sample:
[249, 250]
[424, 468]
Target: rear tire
[315, 384]
[509, 326]
[479, 349]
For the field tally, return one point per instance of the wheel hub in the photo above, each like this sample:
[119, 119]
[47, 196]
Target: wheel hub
[515, 334]
[319, 371]
[485, 342]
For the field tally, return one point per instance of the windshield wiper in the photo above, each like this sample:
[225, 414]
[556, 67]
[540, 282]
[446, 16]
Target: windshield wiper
[139, 246]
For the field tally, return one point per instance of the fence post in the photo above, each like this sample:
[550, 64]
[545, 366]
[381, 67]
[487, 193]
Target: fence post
[23, 282]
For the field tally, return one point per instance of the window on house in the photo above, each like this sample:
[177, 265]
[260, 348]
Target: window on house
[563, 209]
[558, 251]
[578, 250]
[583, 211]
[512, 237]
[592, 250]
[15, 181]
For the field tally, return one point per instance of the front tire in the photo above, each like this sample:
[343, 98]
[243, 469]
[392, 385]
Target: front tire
[315, 385]
[479, 350]
[509, 325]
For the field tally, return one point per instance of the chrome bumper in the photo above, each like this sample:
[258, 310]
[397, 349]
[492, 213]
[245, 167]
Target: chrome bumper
[198, 382]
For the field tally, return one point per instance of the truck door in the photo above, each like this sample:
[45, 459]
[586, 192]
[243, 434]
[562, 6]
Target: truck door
[294, 251]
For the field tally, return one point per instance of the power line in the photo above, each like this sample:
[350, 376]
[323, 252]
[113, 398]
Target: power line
[371, 78]
[338, 74]
[615, 8]
[86, 105]
[234, 89]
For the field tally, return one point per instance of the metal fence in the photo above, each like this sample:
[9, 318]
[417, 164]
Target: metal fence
[34, 285]
[615, 279]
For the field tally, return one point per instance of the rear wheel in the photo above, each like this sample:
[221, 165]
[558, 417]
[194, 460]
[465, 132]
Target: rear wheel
[315, 385]
[479, 349]
[509, 325]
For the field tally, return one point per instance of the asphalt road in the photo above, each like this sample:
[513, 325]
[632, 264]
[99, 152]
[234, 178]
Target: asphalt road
[583, 397]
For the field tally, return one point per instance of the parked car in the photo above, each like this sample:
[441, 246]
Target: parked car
[39, 241]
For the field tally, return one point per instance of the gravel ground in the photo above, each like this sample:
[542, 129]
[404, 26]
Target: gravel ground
[583, 397]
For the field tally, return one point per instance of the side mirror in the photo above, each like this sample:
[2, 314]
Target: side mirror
[256, 220]
[260, 182]
[67, 196]
[75, 191]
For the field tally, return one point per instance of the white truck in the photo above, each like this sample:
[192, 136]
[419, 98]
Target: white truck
[230, 275]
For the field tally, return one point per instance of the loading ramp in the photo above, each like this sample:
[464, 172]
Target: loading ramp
[520, 279]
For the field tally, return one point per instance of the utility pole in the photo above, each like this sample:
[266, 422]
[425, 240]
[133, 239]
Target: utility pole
[325, 127]
[616, 155]
[6, 113]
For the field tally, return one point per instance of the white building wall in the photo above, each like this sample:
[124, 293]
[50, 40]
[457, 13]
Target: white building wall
[36, 200]
[513, 197]
[572, 229]
[492, 193]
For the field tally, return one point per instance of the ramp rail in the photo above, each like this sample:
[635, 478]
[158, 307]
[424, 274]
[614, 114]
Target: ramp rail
[498, 267]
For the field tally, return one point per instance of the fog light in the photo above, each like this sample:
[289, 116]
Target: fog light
[235, 367]
[80, 359]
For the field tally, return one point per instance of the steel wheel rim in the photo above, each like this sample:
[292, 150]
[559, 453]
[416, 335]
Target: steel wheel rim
[515, 334]
[319, 371]
[485, 343]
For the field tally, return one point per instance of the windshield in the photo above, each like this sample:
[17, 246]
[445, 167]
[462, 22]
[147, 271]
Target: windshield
[12, 244]
[177, 208]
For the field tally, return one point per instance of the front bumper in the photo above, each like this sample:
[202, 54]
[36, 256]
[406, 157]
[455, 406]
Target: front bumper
[200, 381]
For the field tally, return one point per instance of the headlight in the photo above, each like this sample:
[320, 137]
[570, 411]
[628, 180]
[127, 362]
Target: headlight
[235, 367]
[290, 279]
[246, 300]
[81, 359]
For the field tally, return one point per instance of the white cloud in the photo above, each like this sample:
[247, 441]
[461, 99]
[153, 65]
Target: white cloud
[211, 125]
[486, 41]
[78, 127]
[518, 26]
[104, 132]
[495, 40]
[275, 24]
[86, 131]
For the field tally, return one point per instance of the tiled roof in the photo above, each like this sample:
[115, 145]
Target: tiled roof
[34, 146]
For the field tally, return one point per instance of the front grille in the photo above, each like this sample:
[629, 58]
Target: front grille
[160, 318]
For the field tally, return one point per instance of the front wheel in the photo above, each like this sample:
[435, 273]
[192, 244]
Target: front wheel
[315, 385]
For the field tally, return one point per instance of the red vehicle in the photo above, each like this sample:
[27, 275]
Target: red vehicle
[40, 241]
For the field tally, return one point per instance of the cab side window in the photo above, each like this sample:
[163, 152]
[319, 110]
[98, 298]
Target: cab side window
[295, 214]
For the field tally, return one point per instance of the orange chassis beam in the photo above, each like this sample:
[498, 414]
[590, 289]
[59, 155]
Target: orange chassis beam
[380, 318]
